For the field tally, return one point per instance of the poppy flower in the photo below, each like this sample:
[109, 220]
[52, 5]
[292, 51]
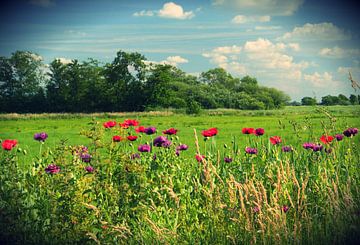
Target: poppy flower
[182, 147]
[130, 122]
[132, 137]
[52, 169]
[140, 129]
[85, 157]
[259, 131]
[286, 149]
[227, 159]
[210, 132]
[40, 136]
[256, 209]
[116, 138]
[161, 141]
[150, 130]
[135, 156]
[144, 148]
[275, 140]
[308, 145]
[350, 132]
[170, 131]
[199, 157]
[89, 169]
[250, 150]
[8, 144]
[326, 139]
[285, 208]
[317, 147]
[248, 130]
[109, 124]
[339, 137]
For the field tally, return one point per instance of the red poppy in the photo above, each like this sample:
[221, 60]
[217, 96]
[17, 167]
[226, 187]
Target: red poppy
[109, 124]
[326, 139]
[170, 131]
[199, 157]
[275, 140]
[8, 144]
[210, 132]
[248, 130]
[131, 122]
[140, 129]
[116, 138]
[132, 137]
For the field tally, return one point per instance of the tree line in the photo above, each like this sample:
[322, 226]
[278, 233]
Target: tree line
[128, 83]
[332, 100]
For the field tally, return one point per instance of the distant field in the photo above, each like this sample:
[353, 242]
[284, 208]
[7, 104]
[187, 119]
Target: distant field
[229, 122]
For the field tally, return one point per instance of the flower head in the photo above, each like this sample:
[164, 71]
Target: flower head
[116, 138]
[210, 132]
[85, 157]
[228, 159]
[144, 148]
[308, 145]
[275, 140]
[250, 150]
[132, 137]
[135, 156]
[170, 131]
[259, 131]
[182, 147]
[350, 132]
[131, 122]
[7, 145]
[109, 124]
[256, 209]
[326, 139]
[52, 169]
[161, 141]
[89, 169]
[40, 136]
[317, 147]
[285, 208]
[150, 130]
[248, 130]
[339, 137]
[286, 148]
[140, 129]
[199, 157]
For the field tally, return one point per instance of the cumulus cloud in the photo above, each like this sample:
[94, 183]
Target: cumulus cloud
[225, 57]
[241, 19]
[322, 31]
[171, 60]
[64, 61]
[169, 10]
[269, 7]
[337, 52]
[267, 28]
[294, 46]
[324, 80]
[42, 3]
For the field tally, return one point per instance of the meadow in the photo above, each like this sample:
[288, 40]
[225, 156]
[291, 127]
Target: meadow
[119, 193]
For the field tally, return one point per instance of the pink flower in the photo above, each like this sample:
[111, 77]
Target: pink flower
[7, 145]
[199, 157]
[170, 131]
[109, 124]
[248, 130]
[210, 132]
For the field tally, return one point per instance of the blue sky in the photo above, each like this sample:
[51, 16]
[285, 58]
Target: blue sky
[304, 48]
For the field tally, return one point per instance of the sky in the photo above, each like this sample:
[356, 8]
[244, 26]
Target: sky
[302, 47]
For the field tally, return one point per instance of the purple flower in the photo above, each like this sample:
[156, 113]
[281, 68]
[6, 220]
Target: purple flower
[328, 150]
[161, 141]
[52, 169]
[135, 156]
[228, 159]
[339, 137]
[350, 132]
[154, 156]
[85, 157]
[177, 152]
[256, 209]
[250, 150]
[182, 147]
[144, 148]
[285, 208]
[89, 169]
[150, 130]
[40, 136]
[286, 148]
[308, 145]
[259, 131]
[317, 148]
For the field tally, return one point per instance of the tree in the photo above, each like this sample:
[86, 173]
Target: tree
[353, 99]
[330, 100]
[219, 77]
[308, 101]
[343, 100]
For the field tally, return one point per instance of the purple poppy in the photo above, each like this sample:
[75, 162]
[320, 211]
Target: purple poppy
[52, 169]
[308, 145]
[135, 156]
[350, 132]
[339, 137]
[259, 131]
[182, 147]
[286, 148]
[144, 148]
[161, 141]
[285, 208]
[85, 157]
[177, 153]
[40, 136]
[150, 130]
[317, 148]
[89, 169]
[228, 159]
[250, 150]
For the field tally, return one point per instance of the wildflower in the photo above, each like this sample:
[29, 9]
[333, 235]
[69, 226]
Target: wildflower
[259, 131]
[228, 159]
[326, 139]
[248, 130]
[182, 147]
[132, 137]
[317, 147]
[275, 140]
[170, 131]
[89, 169]
[161, 141]
[140, 129]
[328, 150]
[52, 169]
[199, 157]
[144, 148]
[308, 145]
[40, 136]
[286, 148]
[350, 132]
[256, 209]
[109, 124]
[85, 157]
[166, 144]
[339, 137]
[250, 150]
[177, 152]
[8, 144]
[150, 130]
[285, 208]
[130, 122]
[210, 132]
[116, 138]
[154, 156]
[135, 156]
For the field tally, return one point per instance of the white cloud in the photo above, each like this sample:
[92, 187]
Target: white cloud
[64, 61]
[76, 33]
[144, 13]
[337, 52]
[171, 60]
[294, 46]
[36, 57]
[241, 19]
[324, 80]
[42, 3]
[322, 31]
[269, 7]
[267, 28]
